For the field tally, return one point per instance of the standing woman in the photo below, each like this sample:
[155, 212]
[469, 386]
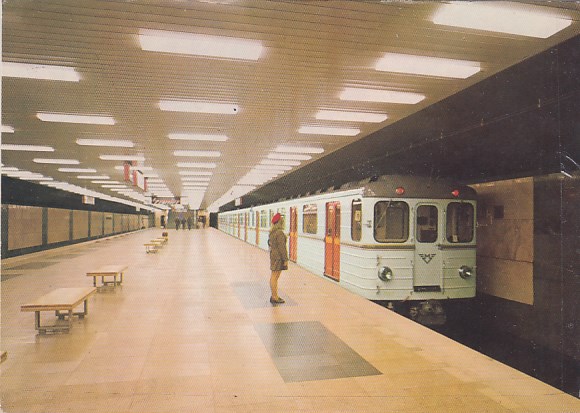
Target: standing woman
[278, 255]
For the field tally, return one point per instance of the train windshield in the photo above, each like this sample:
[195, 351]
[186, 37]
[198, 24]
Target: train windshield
[391, 221]
[427, 223]
[459, 222]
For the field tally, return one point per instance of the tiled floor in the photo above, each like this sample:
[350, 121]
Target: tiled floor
[191, 330]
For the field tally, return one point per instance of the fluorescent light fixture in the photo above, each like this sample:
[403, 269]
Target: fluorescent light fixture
[154, 180]
[199, 44]
[105, 142]
[45, 72]
[194, 184]
[198, 107]
[273, 168]
[208, 154]
[72, 118]
[114, 186]
[195, 178]
[325, 130]
[298, 149]
[200, 173]
[91, 176]
[78, 170]
[9, 169]
[105, 182]
[134, 168]
[196, 165]
[6, 129]
[499, 17]
[197, 137]
[279, 162]
[56, 161]
[292, 157]
[426, 65]
[26, 148]
[121, 158]
[385, 96]
[351, 116]
[37, 178]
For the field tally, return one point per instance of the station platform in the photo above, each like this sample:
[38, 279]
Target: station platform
[191, 329]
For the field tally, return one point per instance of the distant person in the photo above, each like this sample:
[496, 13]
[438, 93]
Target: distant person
[183, 223]
[162, 221]
[189, 222]
[177, 222]
[278, 256]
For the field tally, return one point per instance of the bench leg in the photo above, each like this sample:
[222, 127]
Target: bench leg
[37, 320]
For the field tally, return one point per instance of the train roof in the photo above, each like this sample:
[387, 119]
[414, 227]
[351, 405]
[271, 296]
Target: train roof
[404, 186]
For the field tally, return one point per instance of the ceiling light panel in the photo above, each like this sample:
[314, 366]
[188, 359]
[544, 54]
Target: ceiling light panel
[75, 118]
[279, 162]
[427, 66]
[197, 137]
[198, 107]
[208, 154]
[298, 149]
[325, 130]
[105, 143]
[26, 148]
[56, 161]
[351, 116]
[292, 157]
[499, 17]
[78, 170]
[382, 96]
[44, 72]
[196, 165]
[199, 44]
[122, 157]
[194, 173]
[6, 129]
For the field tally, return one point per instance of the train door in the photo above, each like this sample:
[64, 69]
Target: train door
[293, 233]
[246, 219]
[332, 241]
[428, 260]
[257, 227]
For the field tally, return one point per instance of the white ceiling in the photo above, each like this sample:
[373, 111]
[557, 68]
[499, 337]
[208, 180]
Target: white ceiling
[312, 51]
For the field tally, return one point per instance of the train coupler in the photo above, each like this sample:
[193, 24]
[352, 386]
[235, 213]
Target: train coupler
[430, 313]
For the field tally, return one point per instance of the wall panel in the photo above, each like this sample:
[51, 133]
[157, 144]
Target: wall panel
[108, 223]
[80, 224]
[58, 225]
[25, 226]
[97, 224]
[505, 239]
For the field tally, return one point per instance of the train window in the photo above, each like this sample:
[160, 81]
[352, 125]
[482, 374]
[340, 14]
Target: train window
[263, 219]
[426, 223]
[310, 219]
[391, 221]
[356, 220]
[460, 218]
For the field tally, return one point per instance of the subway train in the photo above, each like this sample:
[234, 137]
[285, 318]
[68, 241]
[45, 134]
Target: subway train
[406, 242]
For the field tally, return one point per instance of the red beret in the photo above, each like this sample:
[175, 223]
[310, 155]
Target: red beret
[276, 218]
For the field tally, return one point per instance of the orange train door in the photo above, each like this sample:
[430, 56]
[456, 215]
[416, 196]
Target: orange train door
[332, 241]
[293, 233]
[257, 228]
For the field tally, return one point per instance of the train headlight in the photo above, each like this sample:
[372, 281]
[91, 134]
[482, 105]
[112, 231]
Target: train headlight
[385, 274]
[465, 272]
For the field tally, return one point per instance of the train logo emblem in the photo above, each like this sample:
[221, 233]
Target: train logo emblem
[427, 257]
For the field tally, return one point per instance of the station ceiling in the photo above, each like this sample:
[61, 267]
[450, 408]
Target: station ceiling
[283, 72]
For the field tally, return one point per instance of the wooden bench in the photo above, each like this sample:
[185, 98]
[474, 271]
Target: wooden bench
[61, 299]
[112, 270]
[151, 247]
